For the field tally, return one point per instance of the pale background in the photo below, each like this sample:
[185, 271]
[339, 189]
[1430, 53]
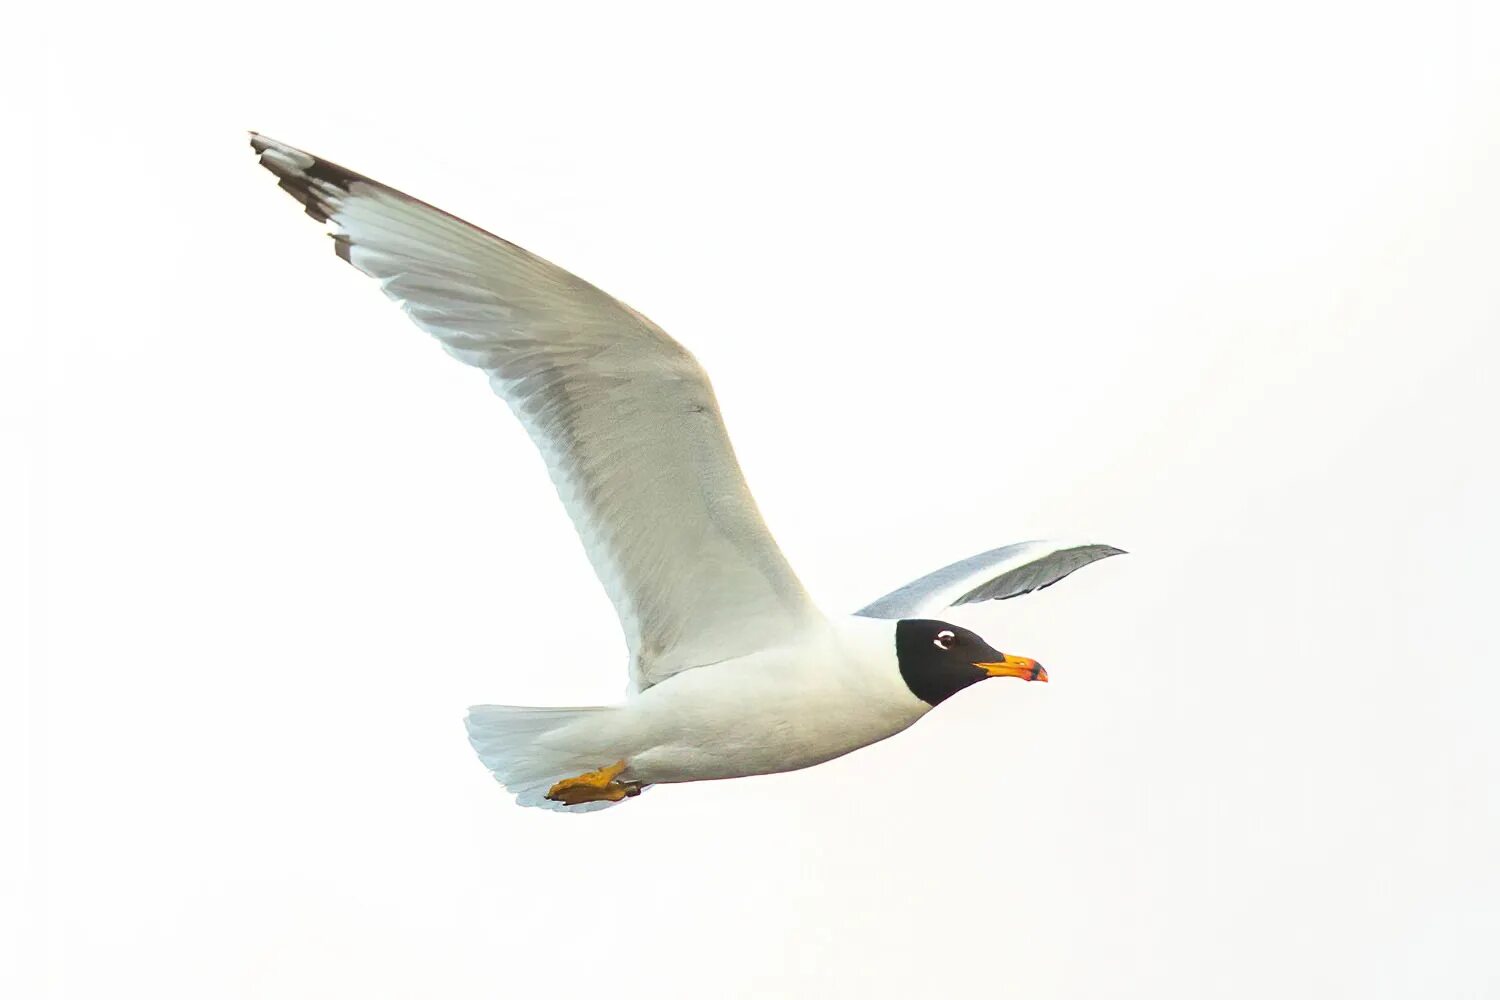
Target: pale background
[1214, 283]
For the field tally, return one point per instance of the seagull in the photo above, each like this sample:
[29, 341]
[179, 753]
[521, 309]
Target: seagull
[733, 670]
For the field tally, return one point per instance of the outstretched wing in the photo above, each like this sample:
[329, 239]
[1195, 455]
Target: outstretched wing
[1008, 571]
[623, 415]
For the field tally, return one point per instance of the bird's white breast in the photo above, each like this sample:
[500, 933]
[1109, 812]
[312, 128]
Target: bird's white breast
[776, 710]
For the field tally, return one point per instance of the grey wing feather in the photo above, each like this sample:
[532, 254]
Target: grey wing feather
[996, 575]
[623, 415]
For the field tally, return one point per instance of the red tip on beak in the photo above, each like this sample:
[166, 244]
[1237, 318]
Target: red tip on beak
[1015, 666]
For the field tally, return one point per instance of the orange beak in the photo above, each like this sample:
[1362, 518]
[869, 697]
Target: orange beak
[1015, 666]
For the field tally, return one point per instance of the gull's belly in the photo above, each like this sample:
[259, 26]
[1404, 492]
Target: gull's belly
[730, 721]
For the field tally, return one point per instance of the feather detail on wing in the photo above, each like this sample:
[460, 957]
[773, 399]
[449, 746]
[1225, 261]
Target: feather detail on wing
[623, 415]
[996, 575]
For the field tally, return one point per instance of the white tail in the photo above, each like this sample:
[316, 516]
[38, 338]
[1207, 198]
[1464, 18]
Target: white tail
[531, 749]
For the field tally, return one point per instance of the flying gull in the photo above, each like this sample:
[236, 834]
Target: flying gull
[733, 670]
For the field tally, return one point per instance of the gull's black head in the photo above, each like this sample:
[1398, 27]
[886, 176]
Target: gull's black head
[939, 660]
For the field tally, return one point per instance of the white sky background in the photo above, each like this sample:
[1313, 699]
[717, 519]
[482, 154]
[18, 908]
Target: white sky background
[1214, 284]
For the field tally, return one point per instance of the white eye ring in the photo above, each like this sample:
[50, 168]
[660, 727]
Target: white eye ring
[945, 640]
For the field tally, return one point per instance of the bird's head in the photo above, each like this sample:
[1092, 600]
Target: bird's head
[938, 660]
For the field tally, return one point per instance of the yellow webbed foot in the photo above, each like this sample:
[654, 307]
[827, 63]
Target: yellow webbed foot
[594, 786]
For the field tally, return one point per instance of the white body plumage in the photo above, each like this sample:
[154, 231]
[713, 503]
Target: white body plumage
[777, 709]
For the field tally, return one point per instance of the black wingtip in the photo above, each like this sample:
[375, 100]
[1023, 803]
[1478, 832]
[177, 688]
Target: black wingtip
[302, 175]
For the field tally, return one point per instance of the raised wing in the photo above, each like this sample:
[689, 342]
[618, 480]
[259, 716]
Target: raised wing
[1008, 571]
[623, 416]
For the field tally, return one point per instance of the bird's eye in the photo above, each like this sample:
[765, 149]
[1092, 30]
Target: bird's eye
[945, 640]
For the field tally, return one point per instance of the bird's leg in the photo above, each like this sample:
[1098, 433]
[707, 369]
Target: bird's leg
[594, 786]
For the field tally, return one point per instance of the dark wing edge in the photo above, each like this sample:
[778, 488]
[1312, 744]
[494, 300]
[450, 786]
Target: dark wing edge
[996, 575]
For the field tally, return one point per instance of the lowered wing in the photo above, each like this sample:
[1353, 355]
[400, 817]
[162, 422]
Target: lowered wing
[1008, 571]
